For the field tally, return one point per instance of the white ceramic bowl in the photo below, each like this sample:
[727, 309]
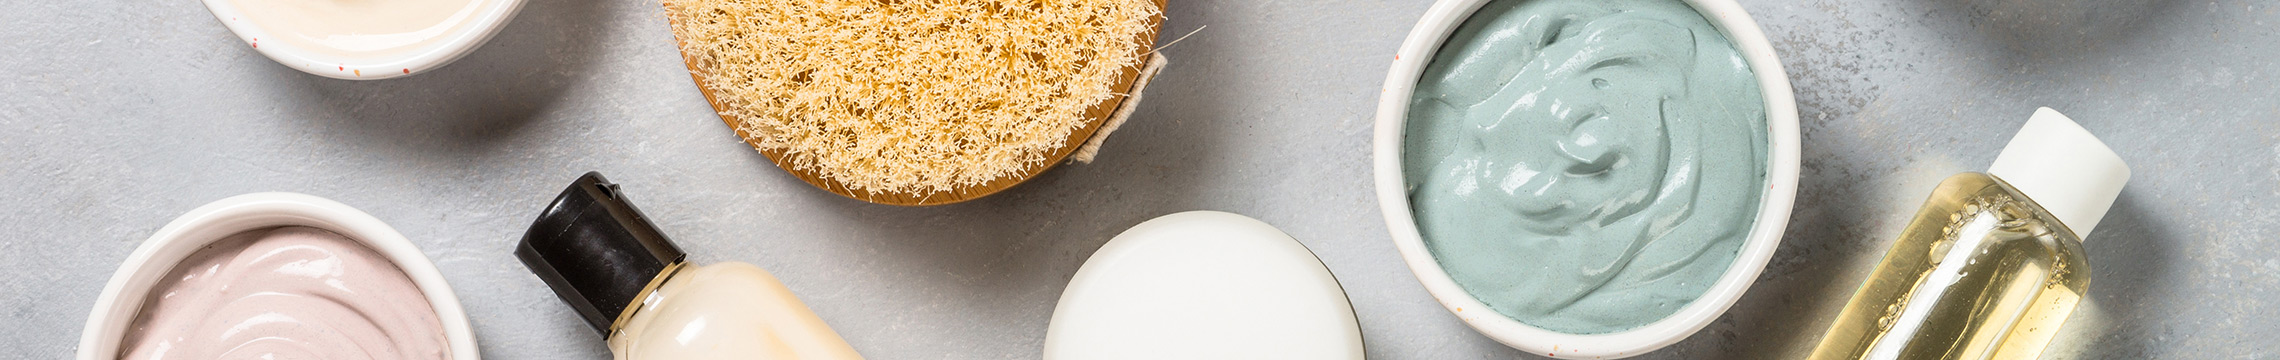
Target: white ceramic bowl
[123, 296]
[486, 21]
[1773, 214]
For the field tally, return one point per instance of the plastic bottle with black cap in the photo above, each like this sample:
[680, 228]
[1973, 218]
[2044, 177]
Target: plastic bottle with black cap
[627, 280]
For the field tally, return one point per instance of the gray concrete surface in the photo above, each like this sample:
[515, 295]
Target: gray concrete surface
[120, 115]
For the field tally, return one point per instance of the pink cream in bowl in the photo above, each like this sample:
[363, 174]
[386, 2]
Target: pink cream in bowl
[277, 276]
[289, 292]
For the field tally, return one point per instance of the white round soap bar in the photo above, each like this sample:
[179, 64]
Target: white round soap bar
[1203, 285]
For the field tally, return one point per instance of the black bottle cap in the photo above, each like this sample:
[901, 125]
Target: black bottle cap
[596, 250]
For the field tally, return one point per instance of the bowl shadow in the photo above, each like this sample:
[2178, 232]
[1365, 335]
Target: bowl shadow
[465, 106]
[2043, 29]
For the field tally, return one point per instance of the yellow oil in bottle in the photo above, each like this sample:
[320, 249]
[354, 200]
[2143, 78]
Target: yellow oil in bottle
[1982, 272]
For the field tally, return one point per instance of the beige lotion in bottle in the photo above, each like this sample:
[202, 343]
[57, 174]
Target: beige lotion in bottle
[627, 280]
[1993, 263]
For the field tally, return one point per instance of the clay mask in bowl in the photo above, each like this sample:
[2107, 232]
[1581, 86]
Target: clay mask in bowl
[1586, 178]
[277, 274]
[364, 39]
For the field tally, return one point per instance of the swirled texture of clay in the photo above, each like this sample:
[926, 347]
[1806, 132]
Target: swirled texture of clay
[1586, 166]
[286, 293]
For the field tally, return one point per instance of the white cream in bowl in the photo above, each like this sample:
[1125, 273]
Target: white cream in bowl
[364, 39]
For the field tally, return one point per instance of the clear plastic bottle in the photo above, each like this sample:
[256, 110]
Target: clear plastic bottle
[1993, 264]
[605, 259]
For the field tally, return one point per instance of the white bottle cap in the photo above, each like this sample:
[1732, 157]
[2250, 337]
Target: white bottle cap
[2063, 168]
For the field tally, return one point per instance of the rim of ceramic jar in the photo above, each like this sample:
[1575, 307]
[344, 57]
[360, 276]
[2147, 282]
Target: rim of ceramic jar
[487, 21]
[1765, 234]
[124, 294]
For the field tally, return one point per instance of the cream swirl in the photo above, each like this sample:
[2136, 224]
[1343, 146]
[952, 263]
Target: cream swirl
[286, 293]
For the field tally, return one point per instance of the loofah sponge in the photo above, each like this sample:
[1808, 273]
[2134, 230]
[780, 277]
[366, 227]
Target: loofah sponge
[912, 96]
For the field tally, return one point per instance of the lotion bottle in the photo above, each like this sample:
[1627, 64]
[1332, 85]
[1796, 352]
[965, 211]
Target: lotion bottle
[630, 283]
[1993, 263]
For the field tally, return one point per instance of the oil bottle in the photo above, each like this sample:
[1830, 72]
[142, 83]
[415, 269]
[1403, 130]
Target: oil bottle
[1993, 263]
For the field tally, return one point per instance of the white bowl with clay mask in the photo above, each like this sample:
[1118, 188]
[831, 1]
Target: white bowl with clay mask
[347, 289]
[364, 39]
[1586, 179]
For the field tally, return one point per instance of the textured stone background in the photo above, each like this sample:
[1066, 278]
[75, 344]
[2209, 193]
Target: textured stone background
[120, 115]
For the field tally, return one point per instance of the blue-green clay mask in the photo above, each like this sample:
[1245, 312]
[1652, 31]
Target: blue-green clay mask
[1586, 166]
